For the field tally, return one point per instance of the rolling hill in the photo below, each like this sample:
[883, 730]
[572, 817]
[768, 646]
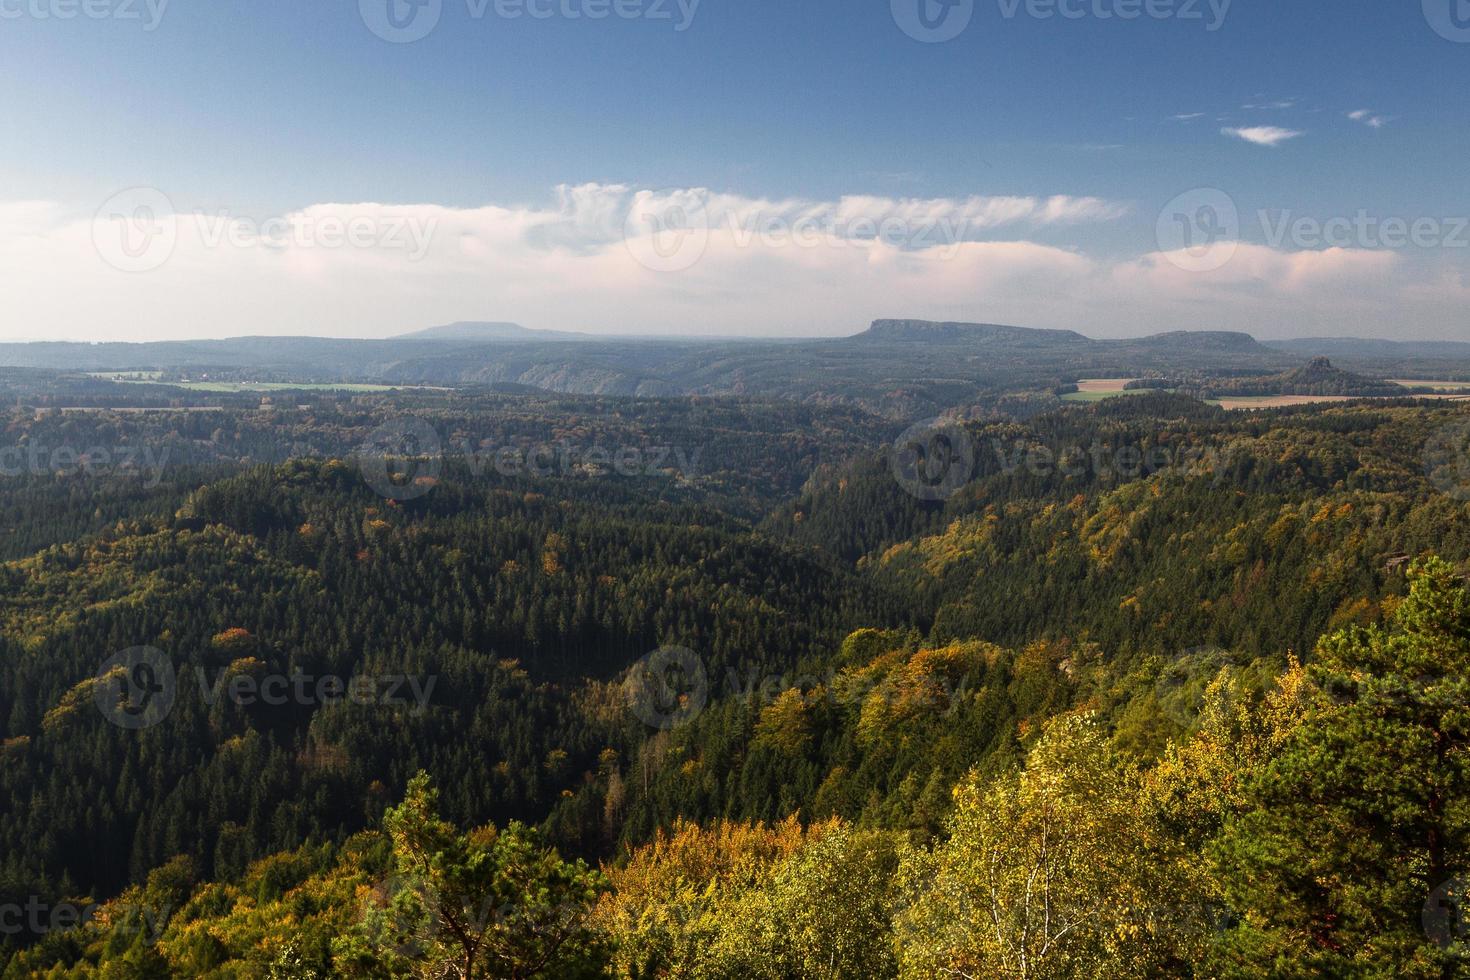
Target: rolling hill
[900, 368]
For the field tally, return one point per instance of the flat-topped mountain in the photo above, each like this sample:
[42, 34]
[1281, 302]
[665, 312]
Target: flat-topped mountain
[993, 334]
[474, 332]
[929, 331]
[1203, 340]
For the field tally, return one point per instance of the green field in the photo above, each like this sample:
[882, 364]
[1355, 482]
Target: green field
[233, 387]
[1097, 396]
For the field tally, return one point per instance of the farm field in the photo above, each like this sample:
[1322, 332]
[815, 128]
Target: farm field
[1275, 401]
[1098, 389]
[1283, 401]
[1421, 383]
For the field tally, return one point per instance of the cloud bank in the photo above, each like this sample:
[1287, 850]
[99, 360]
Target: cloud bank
[615, 259]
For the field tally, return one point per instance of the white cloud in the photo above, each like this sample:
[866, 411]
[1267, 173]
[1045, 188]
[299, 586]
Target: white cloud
[566, 265]
[1261, 135]
[1187, 116]
[1368, 118]
[1261, 271]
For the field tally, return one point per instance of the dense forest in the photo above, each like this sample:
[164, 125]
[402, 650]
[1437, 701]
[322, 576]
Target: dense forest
[1144, 688]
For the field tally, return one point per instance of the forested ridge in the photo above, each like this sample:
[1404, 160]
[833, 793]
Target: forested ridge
[1199, 674]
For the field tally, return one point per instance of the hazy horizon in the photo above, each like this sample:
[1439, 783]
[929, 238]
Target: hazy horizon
[408, 334]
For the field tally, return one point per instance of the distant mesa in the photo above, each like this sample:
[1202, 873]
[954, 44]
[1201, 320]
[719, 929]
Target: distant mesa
[930, 331]
[482, 332]
[1203, 340]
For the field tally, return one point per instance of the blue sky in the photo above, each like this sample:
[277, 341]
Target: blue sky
[277, 106]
